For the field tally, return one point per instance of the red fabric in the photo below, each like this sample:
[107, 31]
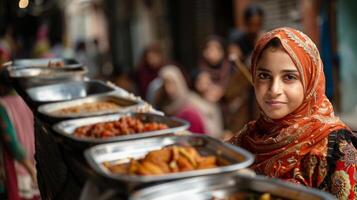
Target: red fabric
[192, 115]
[11, 188]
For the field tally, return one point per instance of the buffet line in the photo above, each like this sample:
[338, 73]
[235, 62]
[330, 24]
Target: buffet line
[133, 149]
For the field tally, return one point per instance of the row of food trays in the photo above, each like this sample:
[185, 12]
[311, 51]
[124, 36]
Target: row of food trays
[126, 142]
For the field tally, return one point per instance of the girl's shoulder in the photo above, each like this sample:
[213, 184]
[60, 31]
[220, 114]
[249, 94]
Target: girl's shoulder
[342, 164]
[342, 136]
[342, 145]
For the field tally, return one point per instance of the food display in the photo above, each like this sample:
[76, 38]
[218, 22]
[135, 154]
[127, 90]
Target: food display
[169, 159]
[248, 196]
[87, 108]
[56, 64]
[123, 126]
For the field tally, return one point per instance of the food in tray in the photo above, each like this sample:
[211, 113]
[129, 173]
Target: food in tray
[88, 108]
[123, 126]
[248, 196]
[55, 64]
[169, 159]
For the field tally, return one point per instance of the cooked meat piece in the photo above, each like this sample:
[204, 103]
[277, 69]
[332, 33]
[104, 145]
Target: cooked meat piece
[207, 162]
[123, 126]
[169, 160]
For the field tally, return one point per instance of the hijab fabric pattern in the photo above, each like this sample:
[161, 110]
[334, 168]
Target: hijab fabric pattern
[294, 147]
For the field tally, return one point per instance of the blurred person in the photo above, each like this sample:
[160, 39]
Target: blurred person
[242, 41]
[17, 142]
[297, 138]
[215, 69]
[88, 57]
[176, 99]
[151, 61]
[8, 45]
[42, 47]
[62, 49]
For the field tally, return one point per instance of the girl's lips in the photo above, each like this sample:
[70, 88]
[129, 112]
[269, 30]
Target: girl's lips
[275, 103]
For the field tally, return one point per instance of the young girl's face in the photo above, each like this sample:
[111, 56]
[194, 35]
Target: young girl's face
[277, 83]
[213, 52]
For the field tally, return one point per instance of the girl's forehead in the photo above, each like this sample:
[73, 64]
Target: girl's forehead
[275, 59]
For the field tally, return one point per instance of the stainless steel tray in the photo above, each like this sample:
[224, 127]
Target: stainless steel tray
[42, 62]
[67, 128]
[67, 91]
[26, 77]
[121, 152]
[126, 105]
[222, 186]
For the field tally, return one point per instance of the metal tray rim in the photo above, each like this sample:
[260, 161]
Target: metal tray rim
[12, 63]
[57, 128]
[258, 178]
[30, 90]
[172, 176]
[59, 72]
[42, 109]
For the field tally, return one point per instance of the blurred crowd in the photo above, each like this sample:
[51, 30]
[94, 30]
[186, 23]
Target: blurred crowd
[215, 96]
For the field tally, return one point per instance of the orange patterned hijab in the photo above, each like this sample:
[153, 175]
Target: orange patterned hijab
[280, 145]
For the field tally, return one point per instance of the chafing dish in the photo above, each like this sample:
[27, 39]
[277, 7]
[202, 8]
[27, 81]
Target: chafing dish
[125, 105]
[67, 91]
[43, 62]
[221, 187]
[67, 128]
[26, 77]
[234, 157]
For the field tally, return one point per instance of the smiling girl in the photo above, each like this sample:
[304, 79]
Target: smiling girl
[297, 137]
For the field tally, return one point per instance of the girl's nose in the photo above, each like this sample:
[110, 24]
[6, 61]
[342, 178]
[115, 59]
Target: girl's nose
[275, 87]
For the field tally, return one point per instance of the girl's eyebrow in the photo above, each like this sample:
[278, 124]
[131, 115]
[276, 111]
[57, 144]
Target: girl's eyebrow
[263, 69]
[284, 70]
[290, 71]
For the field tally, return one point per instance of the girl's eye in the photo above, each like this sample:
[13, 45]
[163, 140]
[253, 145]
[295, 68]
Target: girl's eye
[263, 76]
[290, 77]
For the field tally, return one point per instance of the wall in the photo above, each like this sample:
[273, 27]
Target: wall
[347, 45]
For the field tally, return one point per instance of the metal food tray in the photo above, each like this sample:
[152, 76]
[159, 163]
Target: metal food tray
[235, 158]
[125, 105]
[67, 91]
[222, 186]
[67, 128]
[26, 77]
[42, 62]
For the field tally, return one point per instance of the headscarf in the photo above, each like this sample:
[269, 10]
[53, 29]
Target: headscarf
[182, 94]
[281, 145]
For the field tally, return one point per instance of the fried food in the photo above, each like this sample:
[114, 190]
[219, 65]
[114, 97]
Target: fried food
[167, 160]
[88, 108]
[123, 126]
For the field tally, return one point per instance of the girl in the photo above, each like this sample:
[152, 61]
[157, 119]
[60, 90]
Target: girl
[297, 136]
[214, 65]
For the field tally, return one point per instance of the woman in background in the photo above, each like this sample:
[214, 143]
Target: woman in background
[15, 120]
[215, 65]
[16, 142]
[176, 99]
[151, 62]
